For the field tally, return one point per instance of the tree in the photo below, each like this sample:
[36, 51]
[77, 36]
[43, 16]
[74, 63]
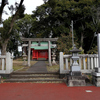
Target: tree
[25, 26]
[13, 36]
[56, 16]
[51, 16]
[64, 43]
[3, 4]
[88, 23]
[22, 28]
[6, 36]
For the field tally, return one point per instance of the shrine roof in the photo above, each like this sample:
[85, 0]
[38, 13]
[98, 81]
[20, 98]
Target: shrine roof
[43, 46]
[40, 47]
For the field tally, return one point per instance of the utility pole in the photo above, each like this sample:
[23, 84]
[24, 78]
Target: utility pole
[72, 34]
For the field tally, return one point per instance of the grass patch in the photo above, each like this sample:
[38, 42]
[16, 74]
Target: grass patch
[53, 68]
[90, 78]
[4, 78]
[18, 65]
[18, 59]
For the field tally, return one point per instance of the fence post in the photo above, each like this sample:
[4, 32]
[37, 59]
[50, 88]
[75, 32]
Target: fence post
[91, 62]
[84, 63]
[3, 64]
[70, 61]
[97, 61]
[88, 62]
[66, 60]
[61, 62]
[80, 64]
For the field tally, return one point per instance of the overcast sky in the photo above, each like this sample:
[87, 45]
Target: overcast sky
[30, 5]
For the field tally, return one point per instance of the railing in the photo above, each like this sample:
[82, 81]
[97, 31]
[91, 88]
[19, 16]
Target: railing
[6, 64]
[87, 62]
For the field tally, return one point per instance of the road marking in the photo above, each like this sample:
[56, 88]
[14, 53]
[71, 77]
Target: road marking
[88, 91]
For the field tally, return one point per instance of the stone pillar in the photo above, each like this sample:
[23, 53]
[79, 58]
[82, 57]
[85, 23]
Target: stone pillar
[29, 53]
[98, 43]
[49, 53]
[61, 62]
[96, 73]
[8, 63]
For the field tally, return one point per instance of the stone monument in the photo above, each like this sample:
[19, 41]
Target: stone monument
[75, 77]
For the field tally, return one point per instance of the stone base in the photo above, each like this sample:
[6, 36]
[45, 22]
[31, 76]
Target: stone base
[96, 79]
[54, 63]
[75, 68]
[97, 70]
[5, 75]
[62, 76]
[76, 81]
[75, 73]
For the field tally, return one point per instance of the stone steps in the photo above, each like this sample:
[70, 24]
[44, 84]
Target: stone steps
[35, 77]
[36, 73]
[36, 80]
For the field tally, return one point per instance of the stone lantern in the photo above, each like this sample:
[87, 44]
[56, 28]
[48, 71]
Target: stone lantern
[75, 68]
[24, 58]
[75, 77]
[54, 57]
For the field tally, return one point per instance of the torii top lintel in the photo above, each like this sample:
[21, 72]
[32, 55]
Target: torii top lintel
[39, 39]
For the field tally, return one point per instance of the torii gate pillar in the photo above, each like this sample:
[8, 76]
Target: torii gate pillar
[29, 53]
[49, 53]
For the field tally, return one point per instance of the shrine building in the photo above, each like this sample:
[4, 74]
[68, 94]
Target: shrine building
[40, 50]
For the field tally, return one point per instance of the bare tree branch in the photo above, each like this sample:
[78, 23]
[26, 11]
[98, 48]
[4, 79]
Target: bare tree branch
[1, 9]
[14, 17]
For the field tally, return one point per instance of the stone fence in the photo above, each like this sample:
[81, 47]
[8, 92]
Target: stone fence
[87, 62]
[6, 63]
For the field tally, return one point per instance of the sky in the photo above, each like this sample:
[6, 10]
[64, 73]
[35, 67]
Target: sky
[30, 5]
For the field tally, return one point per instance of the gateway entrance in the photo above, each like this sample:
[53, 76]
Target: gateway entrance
[39, 53]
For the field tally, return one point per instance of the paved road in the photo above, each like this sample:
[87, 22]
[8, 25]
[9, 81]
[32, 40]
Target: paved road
[47, 91]
[40, 66]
